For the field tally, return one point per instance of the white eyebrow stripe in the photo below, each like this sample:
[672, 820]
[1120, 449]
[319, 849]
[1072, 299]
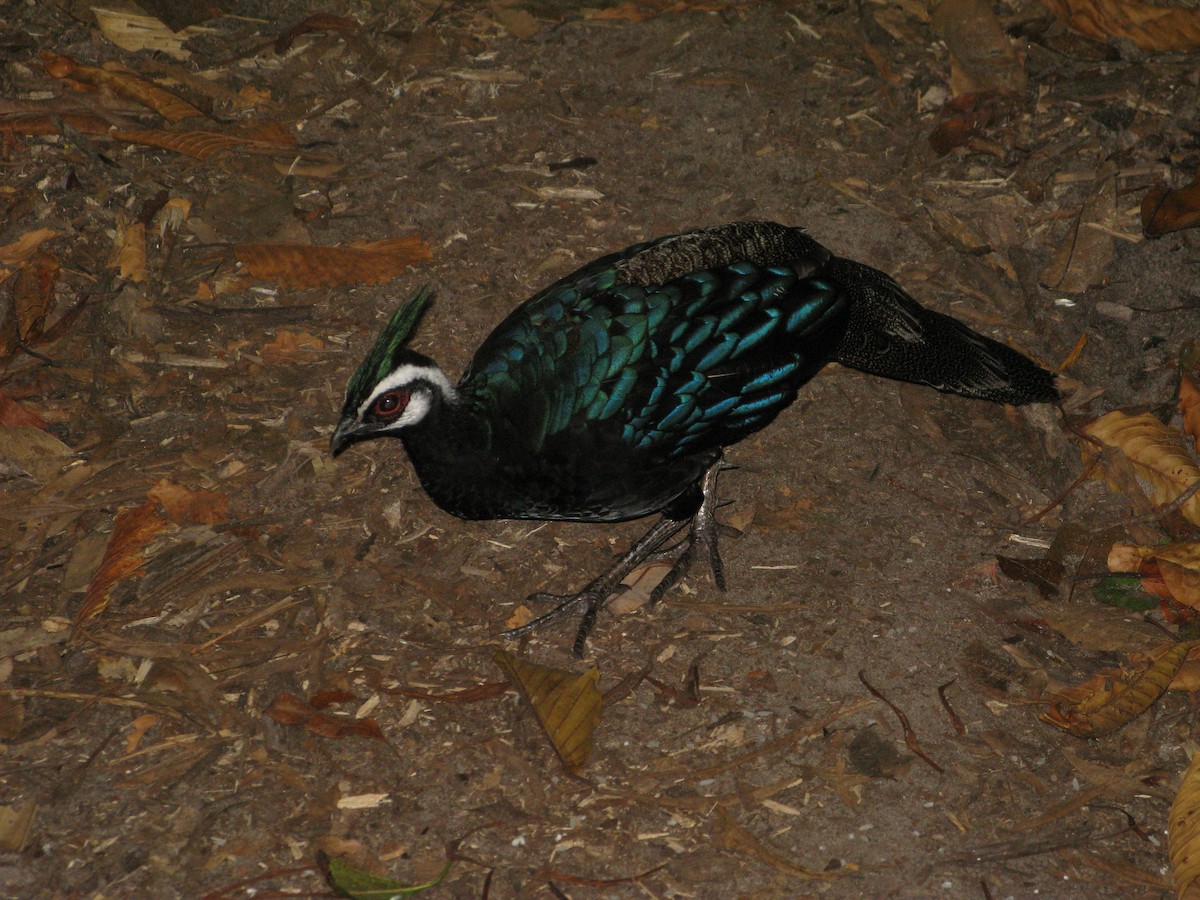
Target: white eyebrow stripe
[406, 375]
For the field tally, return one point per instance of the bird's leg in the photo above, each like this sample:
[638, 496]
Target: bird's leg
[700, 538]
[591, 598]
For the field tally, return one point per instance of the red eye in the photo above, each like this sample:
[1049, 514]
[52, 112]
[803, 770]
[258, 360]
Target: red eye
[390, 405]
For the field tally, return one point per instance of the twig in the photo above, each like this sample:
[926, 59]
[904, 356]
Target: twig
[1057, 501]
[910, 736]
[954, 719]
[780, 743]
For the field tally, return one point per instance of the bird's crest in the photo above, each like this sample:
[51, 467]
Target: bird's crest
[386, 353]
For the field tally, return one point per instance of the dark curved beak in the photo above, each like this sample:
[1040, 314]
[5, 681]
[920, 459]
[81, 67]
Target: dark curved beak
[343, 436]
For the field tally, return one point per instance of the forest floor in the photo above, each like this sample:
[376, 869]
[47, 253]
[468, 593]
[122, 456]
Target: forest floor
[223, 653]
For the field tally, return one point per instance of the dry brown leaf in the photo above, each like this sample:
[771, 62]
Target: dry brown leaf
[566, 704]
[15, 825]
[288, 709]
[172, 216]
[33, 292]
[133, 32]
[291, 346]
[13, 413]
[1081, 260]
[982, 57]
[1156, 453]
[129, 251]
[123, 557]
[729, 835]
[32, 450]
[522, 615]
[520, 23]
[958, 232]
[1165, 209]
[12, 716]
[1183, 833]
[967, 116]
[137, 730]
[629, 12]
[199, 144]
[302, 266]
[1167, 28]
[1111, 704]
[184, 504]
[1073, 357]
[123, 83]
[25, 246]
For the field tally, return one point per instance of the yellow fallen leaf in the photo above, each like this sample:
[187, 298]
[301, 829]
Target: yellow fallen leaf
[1183, 832]
[23, 248]
[1156, 453]
[1114, 704]
[566, 704]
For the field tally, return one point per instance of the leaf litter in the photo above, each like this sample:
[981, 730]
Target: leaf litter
[184, 395]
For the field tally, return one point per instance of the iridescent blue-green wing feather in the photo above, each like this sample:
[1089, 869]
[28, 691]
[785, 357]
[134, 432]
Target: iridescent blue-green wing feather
[671, 368]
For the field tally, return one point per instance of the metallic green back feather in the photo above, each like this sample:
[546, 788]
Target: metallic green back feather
[383, 357]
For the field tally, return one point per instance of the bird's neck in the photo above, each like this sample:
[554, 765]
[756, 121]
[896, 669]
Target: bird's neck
[452, 450]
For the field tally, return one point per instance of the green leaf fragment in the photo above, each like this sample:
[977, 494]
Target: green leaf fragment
[358, 885]
[1124, 592]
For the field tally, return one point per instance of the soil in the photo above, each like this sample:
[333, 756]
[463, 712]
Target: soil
[521, 141]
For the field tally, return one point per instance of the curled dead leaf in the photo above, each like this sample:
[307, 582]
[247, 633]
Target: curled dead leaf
[129, 251]
[33, 292]
[982, 56]
[134, 32]
[638, 587]
[1082, 258]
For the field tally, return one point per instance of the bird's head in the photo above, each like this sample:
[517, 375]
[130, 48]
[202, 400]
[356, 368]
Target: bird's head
[394, 388]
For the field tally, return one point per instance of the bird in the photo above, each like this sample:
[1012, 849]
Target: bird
[612, 394]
